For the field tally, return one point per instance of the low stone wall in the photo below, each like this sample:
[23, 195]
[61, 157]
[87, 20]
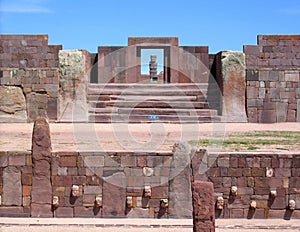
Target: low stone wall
[119, 178]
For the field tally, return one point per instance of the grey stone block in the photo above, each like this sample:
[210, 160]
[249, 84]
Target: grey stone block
[281, 111]
[12, 188]
[93, 161]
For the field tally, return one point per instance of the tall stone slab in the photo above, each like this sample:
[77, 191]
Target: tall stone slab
[180, 195]
[41, 157]
[12, 188]
[203, 206]
[234, 86]
[114, 195]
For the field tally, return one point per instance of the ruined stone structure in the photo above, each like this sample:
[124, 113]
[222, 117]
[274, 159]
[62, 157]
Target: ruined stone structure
[259, 85]
[43, 183]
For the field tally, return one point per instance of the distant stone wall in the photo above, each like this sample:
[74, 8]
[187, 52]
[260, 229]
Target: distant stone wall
[29, 63]
[273, 67]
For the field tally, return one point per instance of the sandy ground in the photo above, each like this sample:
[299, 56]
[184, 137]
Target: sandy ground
[131, 137]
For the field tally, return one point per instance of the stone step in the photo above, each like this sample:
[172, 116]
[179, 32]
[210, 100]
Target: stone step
[147, 92]
[153, 111]
[140, 98]
[149, 104]
[197, 86]
[117, 118]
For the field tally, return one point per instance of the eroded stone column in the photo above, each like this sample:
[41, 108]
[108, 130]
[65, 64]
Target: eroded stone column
[180, 195]
[41, 194]
[203, 206]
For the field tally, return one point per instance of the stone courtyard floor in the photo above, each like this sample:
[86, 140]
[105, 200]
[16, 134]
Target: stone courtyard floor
[130, 137]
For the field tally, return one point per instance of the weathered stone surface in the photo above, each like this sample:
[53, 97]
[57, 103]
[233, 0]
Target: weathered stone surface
[180, 195]
[114, 195]
[72, 99]
[281, 111]
[234, 86]
[12, 104]
[203, 206]
[41, 157]
[12, 188]
[138, 213]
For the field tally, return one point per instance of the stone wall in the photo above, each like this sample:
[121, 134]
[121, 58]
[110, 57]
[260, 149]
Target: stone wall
[255, 175]
[125, 174]
[29, 63]
[273, 91]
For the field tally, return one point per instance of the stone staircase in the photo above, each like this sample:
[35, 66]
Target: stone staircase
[147, 103]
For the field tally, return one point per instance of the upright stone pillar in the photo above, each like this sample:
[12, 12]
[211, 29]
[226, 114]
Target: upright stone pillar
[203, 206]
[180, 196]
[41, 157]
[234, 86]
[153, 68]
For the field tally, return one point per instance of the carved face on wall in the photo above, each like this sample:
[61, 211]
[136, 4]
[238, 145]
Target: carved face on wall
[292, 205]
[98, 201]
[129, 202]
[147, 191]
[253, 204]
[55, 201]
[234, 190]
[273, 193]
[164, 203]
[220, 203]
[75, 191]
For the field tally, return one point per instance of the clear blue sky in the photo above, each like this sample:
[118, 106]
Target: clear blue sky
[86, 24]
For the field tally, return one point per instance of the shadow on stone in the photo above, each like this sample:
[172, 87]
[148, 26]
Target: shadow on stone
[251, 213]
[288, 214]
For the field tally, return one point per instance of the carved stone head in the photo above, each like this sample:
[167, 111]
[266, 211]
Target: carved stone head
[164, 203]
[220, 203]
[273, 193]
[292, 205]
[55, 201]
[129, 202]
[147, 191]
[253, 204]
[234, 190]
[98, 201]
[75, 191]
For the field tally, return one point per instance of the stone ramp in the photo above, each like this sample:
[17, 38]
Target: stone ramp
[138, 103]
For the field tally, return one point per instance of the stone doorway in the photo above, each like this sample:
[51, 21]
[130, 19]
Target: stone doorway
[162, 54]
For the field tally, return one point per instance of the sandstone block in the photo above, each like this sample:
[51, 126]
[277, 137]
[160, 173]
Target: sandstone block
[12, 188]
[203, 205]
[114, 195]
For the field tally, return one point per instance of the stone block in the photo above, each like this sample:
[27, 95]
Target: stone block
[252, 115]
[87, 212]
[281, 111]
[114, 195]
[63, 212]
[292, 76]
[141, 161]
[112, 161]
[251, 50]
[252, 92]
[203, 205]
[3, 160]
[41, 210]
[138, 213]
[17, 160]
[12, 187]
[93, 161]
[223, 162]
[128, 161]
[68, 161]
[291, 116]
[266, 116]
[26, 190]
[13, 212]
[298, 111]
[92, 190]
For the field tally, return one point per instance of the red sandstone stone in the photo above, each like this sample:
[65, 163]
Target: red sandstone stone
[203, 206]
